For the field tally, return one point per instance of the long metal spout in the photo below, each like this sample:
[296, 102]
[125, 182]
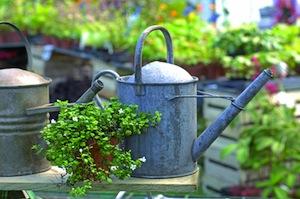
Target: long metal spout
[91, 92]
[210, 134]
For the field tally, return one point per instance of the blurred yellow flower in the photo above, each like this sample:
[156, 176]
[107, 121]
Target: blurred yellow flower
[163, 6]
[191, 16]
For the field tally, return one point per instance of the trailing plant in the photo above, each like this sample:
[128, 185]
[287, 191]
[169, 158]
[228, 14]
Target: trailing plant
[271, 141]
[84, 132]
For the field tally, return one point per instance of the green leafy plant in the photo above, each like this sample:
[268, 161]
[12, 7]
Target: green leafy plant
[193, 42]
[85, 132]
[271, 141]
[246, 41]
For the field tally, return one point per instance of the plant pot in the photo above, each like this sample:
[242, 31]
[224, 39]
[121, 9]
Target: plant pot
[2, 37]
[241, 190]
[13, 37]
[98, 158]
[197, 70]
[47, 39]
[214, 71]
[65, 43]
[211, 71]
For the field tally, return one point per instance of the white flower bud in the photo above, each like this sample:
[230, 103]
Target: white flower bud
[143, 159]
[133, 167]
[75, 119]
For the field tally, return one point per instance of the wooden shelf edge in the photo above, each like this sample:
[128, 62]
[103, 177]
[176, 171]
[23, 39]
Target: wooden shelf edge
[53, 180]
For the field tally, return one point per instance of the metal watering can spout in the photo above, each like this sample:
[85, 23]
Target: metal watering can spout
[87, 97]
[210, 134]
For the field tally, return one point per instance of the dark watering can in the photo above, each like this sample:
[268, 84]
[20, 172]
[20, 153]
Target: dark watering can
[24, 111]
[172, 148]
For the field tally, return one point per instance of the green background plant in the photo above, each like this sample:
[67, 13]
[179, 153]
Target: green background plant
[270, 141]
[195, 40]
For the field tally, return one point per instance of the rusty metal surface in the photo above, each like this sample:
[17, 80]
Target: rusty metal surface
[12, 77]
[19, 132]
[167, 147]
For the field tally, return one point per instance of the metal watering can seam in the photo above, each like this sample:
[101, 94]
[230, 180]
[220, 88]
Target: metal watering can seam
[203, 95]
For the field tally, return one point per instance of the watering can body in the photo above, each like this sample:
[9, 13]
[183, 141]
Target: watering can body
[24, 112]
[172, 148]
[20, 89]
[18, 132]
[166, 147]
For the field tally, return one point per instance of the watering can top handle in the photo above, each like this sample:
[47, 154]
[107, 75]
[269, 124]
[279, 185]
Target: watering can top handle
[139, 49]
[26, 43]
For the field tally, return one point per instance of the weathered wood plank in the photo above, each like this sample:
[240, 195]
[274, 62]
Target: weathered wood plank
[52, 180]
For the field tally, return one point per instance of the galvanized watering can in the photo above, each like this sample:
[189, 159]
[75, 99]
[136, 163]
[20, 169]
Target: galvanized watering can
[172, 148]
[24, 111]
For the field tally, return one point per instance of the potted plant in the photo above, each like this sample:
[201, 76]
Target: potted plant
[88, 142]
[270, 143]
[244, 42]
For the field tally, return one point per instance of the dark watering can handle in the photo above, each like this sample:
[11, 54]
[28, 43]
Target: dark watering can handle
[139, 51]
[97, 76]
[26, 43]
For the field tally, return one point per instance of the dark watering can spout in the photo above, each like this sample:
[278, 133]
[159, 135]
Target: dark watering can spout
[87, 97]
[217, 127]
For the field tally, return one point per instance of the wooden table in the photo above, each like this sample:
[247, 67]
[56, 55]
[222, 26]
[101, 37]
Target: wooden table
[53, 180]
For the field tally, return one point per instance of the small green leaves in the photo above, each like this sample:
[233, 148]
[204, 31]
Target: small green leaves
[81, 141]
[82, 144]
[228, 150]
[263, 143]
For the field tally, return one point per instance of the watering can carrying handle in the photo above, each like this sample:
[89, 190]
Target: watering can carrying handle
[139, 52]
[96, 77]
[26, 43]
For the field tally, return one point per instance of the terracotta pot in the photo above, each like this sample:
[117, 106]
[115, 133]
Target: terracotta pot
[98, 158]
[214, 70]
[54, 41]
[211, 71]
[12, 36]
[64, 43]
[2, 37]
[197, 70]
[47, 39]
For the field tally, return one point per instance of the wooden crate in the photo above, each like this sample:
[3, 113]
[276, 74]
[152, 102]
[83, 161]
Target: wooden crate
[220, 173]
